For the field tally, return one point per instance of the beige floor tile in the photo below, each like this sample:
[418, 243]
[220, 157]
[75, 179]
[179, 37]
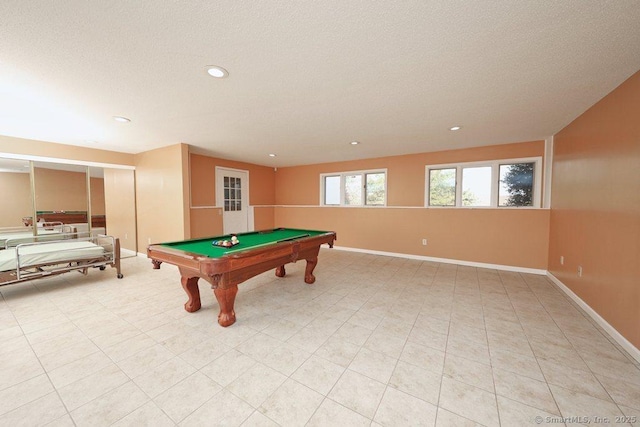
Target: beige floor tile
[163, 376]
[286, 358]
[38, 412]
[428, 338]
[469, 372]
[145, 360]
[423, 357]
[149, 414]
[473, 350]
[78, 369]
[573, 379]
[338, 351]
[25, 392]
[92, 386]
[318, 374]
[110, 407]
[358, 393]
[631, 416]
[223, 409]
[228, 367]
[188, 395]
[625, 371]
[308, 339]
[291, 404]
[574, 404]
[65, 355]
[384, 343]
[375, 365]
[400, 409]
[449, 419]
[517, 363]
[416, 381]
[18, 366]
[331, 413]
[63, 421]
[518, 325]
[514, 413]
[256, 384]
[470, 402]
[352, 333]
[622, 392]
[524, 390]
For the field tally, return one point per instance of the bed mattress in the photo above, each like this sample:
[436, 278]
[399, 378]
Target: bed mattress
[27, 236]
[49, 253]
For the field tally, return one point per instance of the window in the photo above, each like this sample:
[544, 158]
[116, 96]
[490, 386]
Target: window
[362, 188]
[232, 194]
[516, 184]
[505, 183]
[442, 187]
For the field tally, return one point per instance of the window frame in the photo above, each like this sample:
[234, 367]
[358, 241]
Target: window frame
[342, 176]
[495, 182]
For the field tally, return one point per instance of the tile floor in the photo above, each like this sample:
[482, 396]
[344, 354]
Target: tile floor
[376, 341]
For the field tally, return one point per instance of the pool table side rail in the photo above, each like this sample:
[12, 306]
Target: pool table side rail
[287, 251]
[239, 235]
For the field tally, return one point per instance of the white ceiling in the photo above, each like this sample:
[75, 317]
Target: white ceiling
[306, 78]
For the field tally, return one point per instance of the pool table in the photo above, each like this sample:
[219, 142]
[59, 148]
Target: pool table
[226, 267]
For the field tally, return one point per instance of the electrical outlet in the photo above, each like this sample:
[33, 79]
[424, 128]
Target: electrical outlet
[579, 271]
[149, 240]
[126, 236]
[424, 242]
[561, 260]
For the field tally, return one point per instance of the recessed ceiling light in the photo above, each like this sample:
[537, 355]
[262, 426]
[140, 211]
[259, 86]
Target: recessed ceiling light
[354, 143]
[272, 155]
[121, 119]
[218, 72]
[455, 128]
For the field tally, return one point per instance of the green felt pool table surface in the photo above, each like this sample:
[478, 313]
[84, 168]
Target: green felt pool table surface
[204, 247]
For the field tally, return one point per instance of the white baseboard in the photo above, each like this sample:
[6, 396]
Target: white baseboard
[613, 333]
[447, 261]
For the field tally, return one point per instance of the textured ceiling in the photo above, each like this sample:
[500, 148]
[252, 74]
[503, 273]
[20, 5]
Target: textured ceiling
[306, 78]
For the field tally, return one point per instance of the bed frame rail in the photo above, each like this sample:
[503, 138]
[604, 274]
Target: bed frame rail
[22, 273]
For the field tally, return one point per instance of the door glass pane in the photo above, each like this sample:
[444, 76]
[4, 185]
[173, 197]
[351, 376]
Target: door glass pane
[442, 187]
[353, 190]
[476, 186]
[232, 194]
[516, 184]
[332, 190]
[375, 189]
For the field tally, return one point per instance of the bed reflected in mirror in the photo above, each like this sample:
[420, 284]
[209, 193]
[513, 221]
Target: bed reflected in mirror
[16, 205]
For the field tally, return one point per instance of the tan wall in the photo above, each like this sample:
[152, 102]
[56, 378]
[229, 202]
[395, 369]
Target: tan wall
[15, 198]
[97, 196]
[120, 206]
[595, 216]
[208, 221]
[162, 201]
[510, 237]
[58, 190]
[30, 147]
[264, 217]
[506, 237]
[300, 185]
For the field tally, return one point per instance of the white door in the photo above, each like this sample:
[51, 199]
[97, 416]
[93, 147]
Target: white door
[232, 195]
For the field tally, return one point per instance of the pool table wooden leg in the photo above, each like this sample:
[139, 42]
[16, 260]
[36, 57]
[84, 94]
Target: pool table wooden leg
[226, 299]
[280, 271]
[308, 271]
[190, 286]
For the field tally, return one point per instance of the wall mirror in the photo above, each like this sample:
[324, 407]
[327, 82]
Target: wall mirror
[67, 198]
[15, 193]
